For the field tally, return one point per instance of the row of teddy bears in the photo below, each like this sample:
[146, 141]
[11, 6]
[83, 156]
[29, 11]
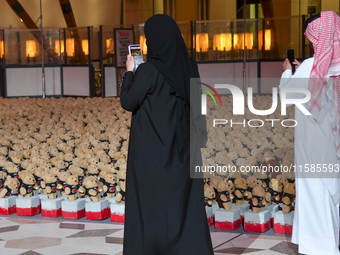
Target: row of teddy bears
[74, 145]
[66, 182]
[259, 193]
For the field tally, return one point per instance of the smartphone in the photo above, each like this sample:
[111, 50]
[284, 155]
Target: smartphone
[136, 52]
[290, 54]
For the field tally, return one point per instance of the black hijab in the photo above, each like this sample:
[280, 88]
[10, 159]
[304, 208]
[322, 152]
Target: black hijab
[168, 53]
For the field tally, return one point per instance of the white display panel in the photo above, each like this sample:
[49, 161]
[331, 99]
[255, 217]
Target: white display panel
[230, 71]
[76, 81]
[272, 70]
[110, 81]
[28, 81]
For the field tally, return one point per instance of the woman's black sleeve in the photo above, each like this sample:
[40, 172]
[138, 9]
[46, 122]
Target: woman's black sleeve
[135, 88]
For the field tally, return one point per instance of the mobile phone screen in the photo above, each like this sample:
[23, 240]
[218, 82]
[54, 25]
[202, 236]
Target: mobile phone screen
[290, 54]
[136, 52]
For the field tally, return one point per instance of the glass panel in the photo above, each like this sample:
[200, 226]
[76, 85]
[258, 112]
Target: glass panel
[224, 40]
[75, 46]
[24, 46]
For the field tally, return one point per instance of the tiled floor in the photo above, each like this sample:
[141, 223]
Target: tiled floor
[30, 236]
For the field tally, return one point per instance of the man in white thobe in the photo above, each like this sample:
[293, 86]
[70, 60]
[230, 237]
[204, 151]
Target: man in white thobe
[316, 217]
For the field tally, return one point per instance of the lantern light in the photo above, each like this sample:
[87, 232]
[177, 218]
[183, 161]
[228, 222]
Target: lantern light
[222, 42]
[31, 48]
[85, 46]
[142, 42]
[109, 46]
[202, 42]
[267, 38]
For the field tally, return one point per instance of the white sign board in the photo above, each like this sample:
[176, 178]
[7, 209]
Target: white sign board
[123, 38]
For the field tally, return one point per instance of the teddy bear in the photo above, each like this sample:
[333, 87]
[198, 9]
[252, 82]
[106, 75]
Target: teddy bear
[109, 185]
[101, 179]
[282, 179]
[26, 182]
[209, 194]
[288, 197]
[11, 169]
[121, 187]
[61, 181]
[68, 157]
[16, 159]
[10, 186]
[49, 183]
[62, 165]
[72, 187]
[251, 183]
[91, 188]
[273, 191]
[258, 195]
[240, 190]
[37, 173]
[224, 191]
[76, 170]
[2, 180]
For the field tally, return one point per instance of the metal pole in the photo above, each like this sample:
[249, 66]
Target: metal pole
[42, 54]
[244, 47]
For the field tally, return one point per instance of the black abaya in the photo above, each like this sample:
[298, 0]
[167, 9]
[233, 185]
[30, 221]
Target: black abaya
[164, 211]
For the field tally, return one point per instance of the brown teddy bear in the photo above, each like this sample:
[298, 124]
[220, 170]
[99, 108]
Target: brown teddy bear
[258, 195]
[209, 194]
[61, 181]
[240, 190]
[101, 179]
[109, 185]
[92, 170]
[283, 180]
[50, 185]
[121, 187]
[288, 197]
[37, 176]
[273, 192]
[10, 186]
[11, 169]
[251, 183]
[224, 190]
[91, 188]
[72, 187]
[76, 170]
[27, 181]
[2, 180]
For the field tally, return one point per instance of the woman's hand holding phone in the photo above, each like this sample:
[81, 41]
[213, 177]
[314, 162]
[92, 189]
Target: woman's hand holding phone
[130, 63]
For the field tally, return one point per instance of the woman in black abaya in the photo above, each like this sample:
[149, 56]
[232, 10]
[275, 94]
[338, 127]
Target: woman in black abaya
[164, 211]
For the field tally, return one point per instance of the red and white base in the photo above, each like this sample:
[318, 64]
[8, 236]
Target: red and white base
[229, 220]
[117, 212]
[97, 210]
[243, 208]
[257, 222]
[28, 206]
[73, 209]
[51, 208]
[7, 205]
[210, 215]
[273, 208]
[283, 223]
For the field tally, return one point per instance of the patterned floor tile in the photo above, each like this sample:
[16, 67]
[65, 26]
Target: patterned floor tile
[286, 248]
[93, 233]
[114, 240]
[72, 226]
[34, 242]
[30, 253]
[8, 229]
[84, 253]
[264, 243]
[237, 250]
[219, 238]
